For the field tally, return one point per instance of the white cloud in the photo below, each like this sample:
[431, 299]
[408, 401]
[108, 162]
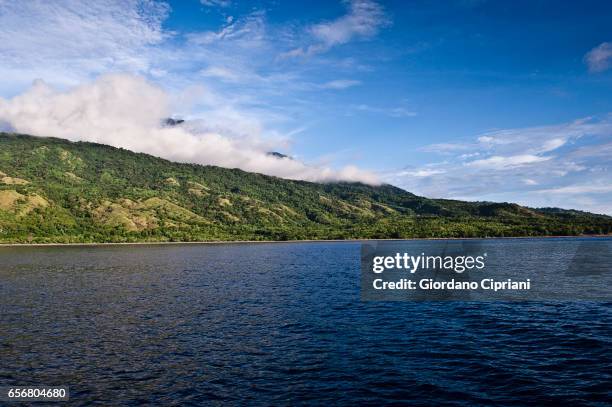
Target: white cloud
[599, 58]
[216, 3]
[241, 53]
[363, 19]
[400, 112]
[563, 160]
[579, 189]
[340, 84]
[445, 148]
[72, 39]
[541, 139]
[499, 162]
[396, 112]
[486, 139]
[553, 144]
[247, 32]
[222, 73]
[424, 172]
[66, 42]
[126, 111]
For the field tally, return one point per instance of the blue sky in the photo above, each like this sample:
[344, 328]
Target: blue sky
[468, 99]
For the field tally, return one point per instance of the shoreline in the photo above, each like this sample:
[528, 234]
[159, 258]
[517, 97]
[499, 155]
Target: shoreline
[215, 242]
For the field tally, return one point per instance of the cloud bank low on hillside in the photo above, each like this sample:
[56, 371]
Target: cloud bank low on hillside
[127, 111]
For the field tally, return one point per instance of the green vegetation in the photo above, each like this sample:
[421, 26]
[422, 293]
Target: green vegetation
[53, 190]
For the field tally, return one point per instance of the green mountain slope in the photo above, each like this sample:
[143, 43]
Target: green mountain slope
[53, 190]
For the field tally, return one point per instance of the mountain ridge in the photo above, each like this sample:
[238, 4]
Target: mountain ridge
[57, 191]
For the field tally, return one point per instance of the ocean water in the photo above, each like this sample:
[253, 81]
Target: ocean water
[281, 324]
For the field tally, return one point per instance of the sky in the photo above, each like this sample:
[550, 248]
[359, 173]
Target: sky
[462, 99]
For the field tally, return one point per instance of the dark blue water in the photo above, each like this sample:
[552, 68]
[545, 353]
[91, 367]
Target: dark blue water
[280, 324]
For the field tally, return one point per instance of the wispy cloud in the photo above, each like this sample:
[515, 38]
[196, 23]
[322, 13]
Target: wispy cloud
[421, 173]
[223, 73]
[395, 112]
[364, 18]
[445, 148]
[340, 84]
[497, 162]
[579, 189]
[556, 165]
[216, 3]
[599, 58]
[249, 31]
[72, 40]
[540, 139]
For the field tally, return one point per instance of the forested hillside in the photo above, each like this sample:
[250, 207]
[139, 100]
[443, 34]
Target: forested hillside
[53, 190]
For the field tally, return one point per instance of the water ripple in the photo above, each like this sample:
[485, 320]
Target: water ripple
[279, 324]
